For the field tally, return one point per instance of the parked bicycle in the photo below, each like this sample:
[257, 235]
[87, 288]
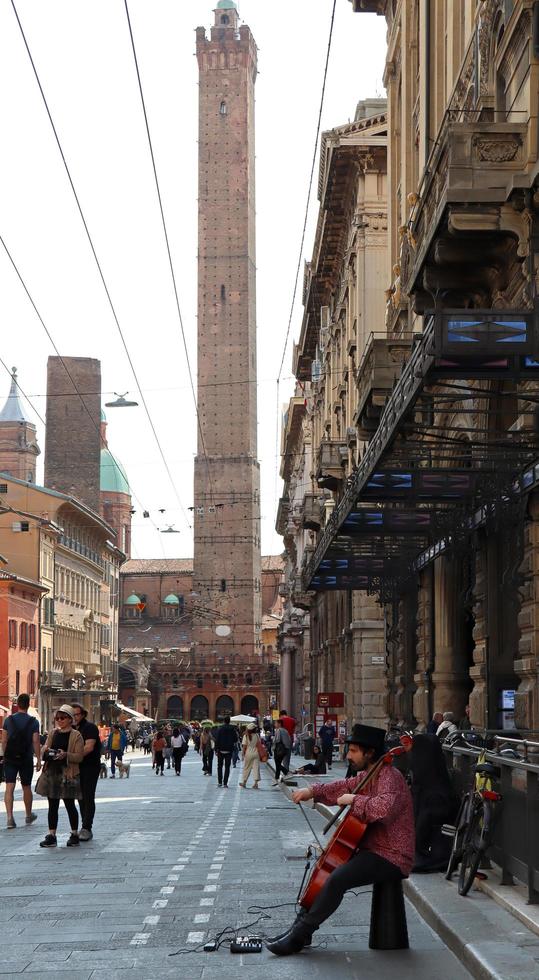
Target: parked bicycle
[472, 832]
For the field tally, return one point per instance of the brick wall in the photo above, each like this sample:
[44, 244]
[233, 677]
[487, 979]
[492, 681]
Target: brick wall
[72, 437]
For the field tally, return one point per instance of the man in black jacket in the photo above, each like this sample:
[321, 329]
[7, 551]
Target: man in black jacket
[225, 740]
[89, 769]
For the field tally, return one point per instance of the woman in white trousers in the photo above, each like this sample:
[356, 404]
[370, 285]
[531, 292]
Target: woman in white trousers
[251, 758]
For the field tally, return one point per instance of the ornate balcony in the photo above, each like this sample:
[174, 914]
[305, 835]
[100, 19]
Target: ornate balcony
[52, 680]
[330, 460]
[379, 368]
[311, 512]
[464, 235]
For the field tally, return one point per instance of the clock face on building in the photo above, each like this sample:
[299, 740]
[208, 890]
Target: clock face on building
[223, 630]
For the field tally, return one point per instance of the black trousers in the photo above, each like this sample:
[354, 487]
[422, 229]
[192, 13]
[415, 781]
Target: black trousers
[88, 782]
[177, 755]
[72, 813]
[225, 757]
[363, 869]
[280, 765]
[207, 762]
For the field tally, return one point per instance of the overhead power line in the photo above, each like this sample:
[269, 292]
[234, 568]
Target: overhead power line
[167, 243]
[98, 264]
[64, 365]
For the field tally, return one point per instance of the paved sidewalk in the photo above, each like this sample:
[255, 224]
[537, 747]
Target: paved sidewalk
[174, 860]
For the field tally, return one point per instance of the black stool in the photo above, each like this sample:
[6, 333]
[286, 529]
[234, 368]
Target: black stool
[388, 917]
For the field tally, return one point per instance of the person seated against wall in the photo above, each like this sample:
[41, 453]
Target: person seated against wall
[318, 767]
[435, 802]
[447, 727]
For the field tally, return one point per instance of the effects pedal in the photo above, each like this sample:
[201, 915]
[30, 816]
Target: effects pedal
[246, 944]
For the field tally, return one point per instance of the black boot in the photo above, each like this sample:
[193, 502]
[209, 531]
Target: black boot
[293, 941]
[299, 918]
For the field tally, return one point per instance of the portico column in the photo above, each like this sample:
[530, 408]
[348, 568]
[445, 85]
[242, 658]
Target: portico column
[527, 664]
[450, 676]
[286, 679]
[370, 704]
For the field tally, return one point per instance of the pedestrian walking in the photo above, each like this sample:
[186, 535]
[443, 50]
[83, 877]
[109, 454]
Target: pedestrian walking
[327, 735]
[159, 746]
[60, 780]
[116, 745]
[225, 738]
[90, 767]
[206, 751]
[177, 743]
[289, 724]
[20, 742]
[167, 753]
[282, 745]
[251, 757]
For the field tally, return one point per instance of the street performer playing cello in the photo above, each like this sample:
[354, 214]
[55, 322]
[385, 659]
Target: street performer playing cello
[384, 853]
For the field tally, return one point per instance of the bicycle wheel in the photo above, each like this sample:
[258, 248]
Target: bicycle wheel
[473, 849]
[461, 826]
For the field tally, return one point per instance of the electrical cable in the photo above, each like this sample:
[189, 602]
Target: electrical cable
[64, 365]
[167, 243]
[98, 264]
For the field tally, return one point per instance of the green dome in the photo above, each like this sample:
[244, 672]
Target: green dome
[113, 477]
[171, 600]
[226, 5]
[132, 600]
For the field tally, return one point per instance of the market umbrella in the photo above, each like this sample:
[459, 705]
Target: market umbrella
[243, 719]
[207, 721]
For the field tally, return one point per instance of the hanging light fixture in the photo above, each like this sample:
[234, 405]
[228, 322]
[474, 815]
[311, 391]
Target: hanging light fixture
[121, 402]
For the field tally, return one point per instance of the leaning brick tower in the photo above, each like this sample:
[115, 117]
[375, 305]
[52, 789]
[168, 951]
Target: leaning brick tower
[227, 567]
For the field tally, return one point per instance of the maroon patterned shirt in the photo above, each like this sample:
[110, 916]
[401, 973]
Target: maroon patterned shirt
[386, 805]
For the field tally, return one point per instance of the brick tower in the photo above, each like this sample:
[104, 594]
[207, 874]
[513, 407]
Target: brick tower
[72, 434]
[18, 441]
[227, 569]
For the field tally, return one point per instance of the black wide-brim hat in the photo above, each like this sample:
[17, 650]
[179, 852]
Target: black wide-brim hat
[368, 737]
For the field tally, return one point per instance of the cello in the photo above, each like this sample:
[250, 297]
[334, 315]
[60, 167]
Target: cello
[348, 834]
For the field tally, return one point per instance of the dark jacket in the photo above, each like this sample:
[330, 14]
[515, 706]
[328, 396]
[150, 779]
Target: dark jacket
[226, 737]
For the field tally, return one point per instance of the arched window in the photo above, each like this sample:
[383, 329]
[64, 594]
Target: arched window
[224, 680]
[175, 680]
[199, 708]
[224, 706]
[223, 109]
[225, 19]
[175, 707]
[249, 705]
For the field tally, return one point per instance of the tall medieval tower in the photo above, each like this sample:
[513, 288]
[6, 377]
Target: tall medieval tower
[227, 566]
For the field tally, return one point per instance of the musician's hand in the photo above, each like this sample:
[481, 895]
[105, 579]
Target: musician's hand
[302, 795]
[345, 799]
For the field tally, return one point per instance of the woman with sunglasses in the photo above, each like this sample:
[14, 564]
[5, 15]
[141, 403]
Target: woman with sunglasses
[60, 780]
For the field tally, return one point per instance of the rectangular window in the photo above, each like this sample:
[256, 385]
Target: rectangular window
[17, 682]
[3, 487]
[12, 632]
[23, 636]
[32, 640]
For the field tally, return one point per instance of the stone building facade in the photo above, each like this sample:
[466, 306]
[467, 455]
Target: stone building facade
[55, 541]
[438, 516]
[161, 670]
[333, 641]
[19, 639]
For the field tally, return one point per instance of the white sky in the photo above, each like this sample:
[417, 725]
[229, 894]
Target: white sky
[83, 56]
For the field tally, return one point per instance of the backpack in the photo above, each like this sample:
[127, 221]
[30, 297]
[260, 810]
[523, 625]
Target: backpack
[17, 745]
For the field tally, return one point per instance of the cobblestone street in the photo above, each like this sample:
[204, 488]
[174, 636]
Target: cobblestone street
[175, 860]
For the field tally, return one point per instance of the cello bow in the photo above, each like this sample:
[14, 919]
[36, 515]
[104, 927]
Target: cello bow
[406, 743]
